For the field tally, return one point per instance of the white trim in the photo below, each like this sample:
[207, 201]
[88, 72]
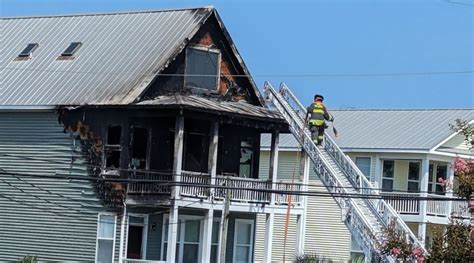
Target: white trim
[180, 240]
[451, 154]
[252, 223]
[419, 175]
[144, 232]
[112, 239]
[387, 178]
[448, 138]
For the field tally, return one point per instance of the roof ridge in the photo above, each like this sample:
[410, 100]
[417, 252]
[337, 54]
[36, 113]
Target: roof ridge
[112, 13]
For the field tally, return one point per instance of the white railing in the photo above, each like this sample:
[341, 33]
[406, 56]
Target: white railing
[160, 186]
[460, 209]
[403, 203]
[195, 184]
[294, 113]
[437, 207]
[282, 198]
[129, 260]
[243, 189]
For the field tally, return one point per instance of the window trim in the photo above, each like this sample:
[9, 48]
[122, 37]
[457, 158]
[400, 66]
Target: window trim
[219, 60]
[112, 239]
[144, 234]
[252, 229]
[370, 165]
[387, 178]
[181, 221]
[414, 181]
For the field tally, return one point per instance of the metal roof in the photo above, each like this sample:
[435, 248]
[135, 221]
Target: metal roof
[388, 129]
[120, 55]
[213, 105]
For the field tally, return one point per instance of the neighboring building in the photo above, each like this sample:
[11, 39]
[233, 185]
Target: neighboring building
[403, 152]
[93, 106]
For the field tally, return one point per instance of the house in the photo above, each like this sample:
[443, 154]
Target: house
[402, 152]
[123, 133]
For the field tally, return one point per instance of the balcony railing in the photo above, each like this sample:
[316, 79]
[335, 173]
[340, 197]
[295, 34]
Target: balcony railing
[409, 203]
[198, 185]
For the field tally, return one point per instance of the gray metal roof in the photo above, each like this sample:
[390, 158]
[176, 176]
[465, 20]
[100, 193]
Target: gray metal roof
[211, 104]
[120, 55]
[388, 129]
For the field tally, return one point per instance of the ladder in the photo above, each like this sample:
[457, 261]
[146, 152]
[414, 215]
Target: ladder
[365, 217]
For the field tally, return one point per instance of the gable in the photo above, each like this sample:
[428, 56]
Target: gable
[457, 144]
[234, 82]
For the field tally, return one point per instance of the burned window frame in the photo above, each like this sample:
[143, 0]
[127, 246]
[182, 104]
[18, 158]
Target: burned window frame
[218, 65]
[109, 148]
[251, 147]
[148, 144]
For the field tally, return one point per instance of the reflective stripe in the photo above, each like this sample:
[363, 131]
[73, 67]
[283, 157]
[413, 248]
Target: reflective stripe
[316, 122]
[318, 111]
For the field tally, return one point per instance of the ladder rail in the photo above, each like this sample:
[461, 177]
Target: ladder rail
[381, 208]
[327, 173]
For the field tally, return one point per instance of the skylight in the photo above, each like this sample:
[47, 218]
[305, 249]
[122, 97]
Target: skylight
[73, 47]
[26, 53]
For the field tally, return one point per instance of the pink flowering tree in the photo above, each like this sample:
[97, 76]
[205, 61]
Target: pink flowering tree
[395, 244]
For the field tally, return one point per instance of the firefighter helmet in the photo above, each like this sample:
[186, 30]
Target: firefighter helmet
[317, 96]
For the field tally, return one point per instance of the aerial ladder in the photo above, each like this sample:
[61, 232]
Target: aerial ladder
[366, 213]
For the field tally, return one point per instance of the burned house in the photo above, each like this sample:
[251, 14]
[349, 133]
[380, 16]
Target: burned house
[123, 133]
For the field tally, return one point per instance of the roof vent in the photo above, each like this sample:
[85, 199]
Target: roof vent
[73, 47]
[26, 53]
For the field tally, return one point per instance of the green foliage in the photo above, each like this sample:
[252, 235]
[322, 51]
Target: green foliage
[312, 258]
[466, 129]
[357, 259]
[455, 245]
[28, 259]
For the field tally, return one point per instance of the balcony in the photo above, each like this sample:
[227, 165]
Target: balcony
[199, 186]
[408, 204]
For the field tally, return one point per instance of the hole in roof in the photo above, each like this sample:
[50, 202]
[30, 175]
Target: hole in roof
[26, 53]
[73, 47]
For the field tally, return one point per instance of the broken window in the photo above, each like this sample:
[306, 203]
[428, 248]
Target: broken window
[196, 153]
[246, 158]
[139, 148]
[113, 149]
[202, 68]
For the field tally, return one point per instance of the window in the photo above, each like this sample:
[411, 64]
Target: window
[188, 247]
[139, 145]
[413, 177]
[202, 68]
[28, 51]
[437, 170]
[196, 152]
[246, 158]
[387, 175]
[215, 241]
[112, 147]
[363, 163]
[243, 240]
[73, 47]
[356, 252]
[105, 238]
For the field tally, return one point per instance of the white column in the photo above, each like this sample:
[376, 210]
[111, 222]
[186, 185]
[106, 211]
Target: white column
[425, 176]
[212, 170]
[270, 217]
[124, 223]
[177, 167]
[301, 219]
[449, 187]
[377, 179]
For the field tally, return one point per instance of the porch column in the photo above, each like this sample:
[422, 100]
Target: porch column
[301, 219]
[123, 224]
[270, 217]
[449, 188]
[425, 175]
[377, 179]
[177, 167]
[212, 170]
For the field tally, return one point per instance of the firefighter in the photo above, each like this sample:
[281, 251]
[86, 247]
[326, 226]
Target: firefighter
[316, 117]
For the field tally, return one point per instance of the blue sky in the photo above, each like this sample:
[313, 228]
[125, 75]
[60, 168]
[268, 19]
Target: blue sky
[293, 39]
